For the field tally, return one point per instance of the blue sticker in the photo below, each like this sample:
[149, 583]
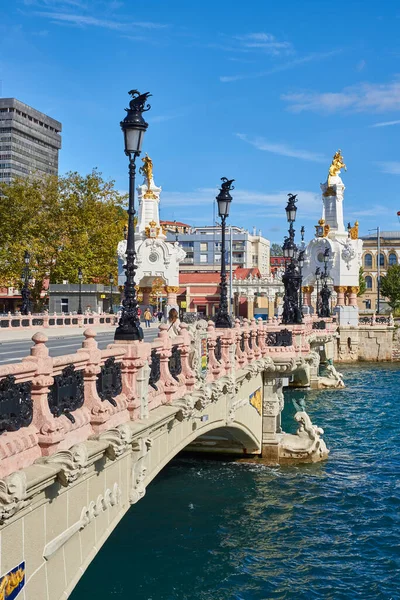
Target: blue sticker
[12, 582]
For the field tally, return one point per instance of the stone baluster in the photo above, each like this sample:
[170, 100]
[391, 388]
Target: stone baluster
[262, 334]
[187, 372]
[241, 356]
[170, 385]
[227, 340]
[214, 366]
[254, 337]
[136, 357]
[103, 414]
[247, 337]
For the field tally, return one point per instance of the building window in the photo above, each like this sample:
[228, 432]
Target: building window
[381, 260]
[218, 258]
[368, 304]
[203, 258]
[392, 259]
[203, 246]
[64, 305]
[368, 282]
[368, 260]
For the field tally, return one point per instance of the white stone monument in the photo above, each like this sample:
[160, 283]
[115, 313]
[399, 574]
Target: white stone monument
[157, 260]
[345, 249]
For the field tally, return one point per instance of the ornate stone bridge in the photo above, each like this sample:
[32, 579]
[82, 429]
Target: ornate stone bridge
[82, 435]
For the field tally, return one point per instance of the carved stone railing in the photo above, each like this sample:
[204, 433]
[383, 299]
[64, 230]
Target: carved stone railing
[319, 325]
[56, 320]
[377, 320]
[49, 404]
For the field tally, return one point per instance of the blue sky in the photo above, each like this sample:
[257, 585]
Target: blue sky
[263, 92]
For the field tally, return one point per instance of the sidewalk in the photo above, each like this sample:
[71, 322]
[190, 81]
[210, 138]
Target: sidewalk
[11, 335]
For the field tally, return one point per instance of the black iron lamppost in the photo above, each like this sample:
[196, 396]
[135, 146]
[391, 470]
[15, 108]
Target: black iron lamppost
[317, 278]
[80, 277]
[224, 199]
[111, 280]
[133, 127]
[300, 261]
[291, 279]
[325, 292]
[176, 231]
[25, 291]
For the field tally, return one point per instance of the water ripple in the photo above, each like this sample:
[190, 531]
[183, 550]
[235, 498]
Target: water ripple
[236, 531]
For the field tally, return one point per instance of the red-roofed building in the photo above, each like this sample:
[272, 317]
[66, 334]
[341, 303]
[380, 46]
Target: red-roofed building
[175, 226]
[252, 294]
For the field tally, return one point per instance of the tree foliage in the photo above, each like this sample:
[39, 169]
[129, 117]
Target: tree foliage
[362, 286]
[65, 223]
[276, 250]
[390, 286]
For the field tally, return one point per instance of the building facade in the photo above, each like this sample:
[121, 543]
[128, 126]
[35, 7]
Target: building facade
[203, 249]
[389, 255]
[29, 141]
[95, 297]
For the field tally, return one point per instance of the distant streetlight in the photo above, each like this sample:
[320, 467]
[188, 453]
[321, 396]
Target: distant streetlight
[224, 199]
[134, 128]
[325, 292]
[111, 280]
[80, 277]
[292, 277]
[25, 291]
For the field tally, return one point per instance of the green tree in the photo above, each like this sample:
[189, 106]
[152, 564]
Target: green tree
[390, 287]
[65, 223]
[361, 282]
[276, 250]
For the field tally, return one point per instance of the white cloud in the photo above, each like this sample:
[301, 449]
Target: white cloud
[282, 67]
[361, 65]
[391, 167]
[364, 97]
[262, 202]
[282, 149]
[266, 42]
[386, 123]
[84, 20]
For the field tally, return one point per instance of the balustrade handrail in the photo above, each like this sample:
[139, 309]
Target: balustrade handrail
[91, 390]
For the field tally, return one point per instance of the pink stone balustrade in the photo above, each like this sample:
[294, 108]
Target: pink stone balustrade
[147, 379]
[32, 321]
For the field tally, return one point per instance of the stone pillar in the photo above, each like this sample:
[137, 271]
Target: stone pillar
[340, 291]
[307, 291]
[250, 306]
[272, 407]
[172, 291]
[352, 292]
[146, 291]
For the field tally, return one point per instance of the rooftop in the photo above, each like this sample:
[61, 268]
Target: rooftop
[393, 235]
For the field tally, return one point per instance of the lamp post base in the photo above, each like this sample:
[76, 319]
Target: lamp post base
[132, 333]
[223, 321]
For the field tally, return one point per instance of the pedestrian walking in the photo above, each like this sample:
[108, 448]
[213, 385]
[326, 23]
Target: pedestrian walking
[173, 323]
[147, 317]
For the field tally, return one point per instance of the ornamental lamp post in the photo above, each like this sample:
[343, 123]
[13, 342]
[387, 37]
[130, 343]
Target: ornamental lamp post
[80, 277]
[224, 199]
[111, 280]
[317, 278]
[134, 128]
[325, 292]
[291, 279]
[25, 291]
[300, 262]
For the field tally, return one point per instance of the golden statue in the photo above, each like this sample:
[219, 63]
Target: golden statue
[336, 165]
[147, 170]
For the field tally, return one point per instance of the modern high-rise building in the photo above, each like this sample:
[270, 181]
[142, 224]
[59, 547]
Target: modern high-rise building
[29, 141]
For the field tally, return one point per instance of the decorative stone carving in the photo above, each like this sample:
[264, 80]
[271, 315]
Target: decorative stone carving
[334, 379]
[12, 495]
[139, 470]
[120, 440]
[306, 443]
[73, 463]
[234, 407]
[88, 514]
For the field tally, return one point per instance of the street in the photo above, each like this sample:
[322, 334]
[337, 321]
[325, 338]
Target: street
[14, 351]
